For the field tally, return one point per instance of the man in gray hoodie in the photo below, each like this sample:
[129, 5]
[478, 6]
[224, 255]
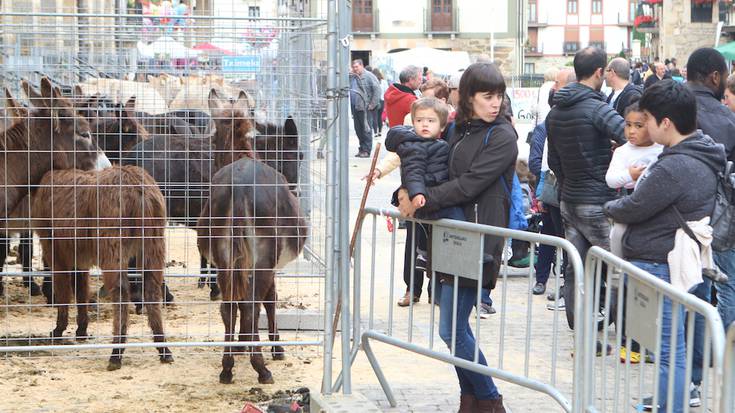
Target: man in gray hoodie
[685, 177]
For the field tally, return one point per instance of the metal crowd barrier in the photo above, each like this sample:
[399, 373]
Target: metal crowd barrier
[460, 252]
[728, 383]
[610, 384]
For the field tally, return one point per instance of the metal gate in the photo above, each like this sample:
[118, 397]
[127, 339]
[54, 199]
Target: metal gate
[177, 95]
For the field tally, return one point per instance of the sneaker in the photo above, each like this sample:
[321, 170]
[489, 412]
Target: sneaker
[695, 399]
[522, 262]
[557, 306]
[551, 296]
[635, 357]
[646, 404]
[539, 289]
[406, 300]
[420, 262]
[485, 311]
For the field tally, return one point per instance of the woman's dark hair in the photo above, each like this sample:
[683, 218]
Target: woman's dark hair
[479, 77]
[377, 73]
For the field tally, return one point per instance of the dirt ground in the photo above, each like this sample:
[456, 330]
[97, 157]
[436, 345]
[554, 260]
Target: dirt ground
[75, 381]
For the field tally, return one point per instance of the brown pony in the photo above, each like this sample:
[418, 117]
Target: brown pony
[103, 218]
[250, 226]
[33, 141]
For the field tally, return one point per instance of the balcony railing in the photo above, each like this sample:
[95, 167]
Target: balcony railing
[727, 15]
[533, 50]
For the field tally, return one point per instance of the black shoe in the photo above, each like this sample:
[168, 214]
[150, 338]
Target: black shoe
[539, 289]
[362, 154]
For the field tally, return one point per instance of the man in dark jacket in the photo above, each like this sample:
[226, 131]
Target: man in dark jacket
[364, 97]
[685, 177]
[580, 128]
[399, 96]
[659, 73]
[617, 76]
[706, 78]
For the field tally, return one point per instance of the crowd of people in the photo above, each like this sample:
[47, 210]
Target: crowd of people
[630, 171]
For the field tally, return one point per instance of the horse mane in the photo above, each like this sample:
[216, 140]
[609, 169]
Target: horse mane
[233, 140]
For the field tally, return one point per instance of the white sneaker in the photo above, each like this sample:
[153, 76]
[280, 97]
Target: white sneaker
[557, 306]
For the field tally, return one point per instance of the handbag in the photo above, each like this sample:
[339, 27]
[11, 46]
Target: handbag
[550, 190]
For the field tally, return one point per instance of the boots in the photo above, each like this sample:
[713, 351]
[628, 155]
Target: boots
[491, 406]
[467, 403]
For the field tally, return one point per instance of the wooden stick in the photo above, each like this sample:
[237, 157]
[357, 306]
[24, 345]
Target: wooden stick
[358, 224]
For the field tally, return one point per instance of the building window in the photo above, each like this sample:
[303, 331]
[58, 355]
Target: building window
[597, 37]
[571, 6]
[571, 39]
[362, 16]
[532, 11]
[529, 68]
[596, 6]
[701, 12]
[631, 12]
[254, 11]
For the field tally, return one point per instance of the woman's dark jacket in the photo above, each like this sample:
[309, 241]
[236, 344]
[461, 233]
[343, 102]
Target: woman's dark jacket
[475, 169]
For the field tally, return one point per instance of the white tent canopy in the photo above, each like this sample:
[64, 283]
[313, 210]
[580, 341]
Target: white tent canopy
[441, 62]
[166, 46]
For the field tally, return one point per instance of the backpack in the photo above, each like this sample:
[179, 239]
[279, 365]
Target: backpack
[723, 216]
[517, 215]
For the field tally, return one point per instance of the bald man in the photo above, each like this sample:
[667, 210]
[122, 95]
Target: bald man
[617, 77]
[659, 73]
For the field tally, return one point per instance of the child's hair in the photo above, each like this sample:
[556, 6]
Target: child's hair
[632, 107]
[441, 90]
[439, 107]
[524, 173]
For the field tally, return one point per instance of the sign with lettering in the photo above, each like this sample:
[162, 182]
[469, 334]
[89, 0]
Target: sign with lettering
[241, 64]
[524, 101]
[457, 252]
[641, 324]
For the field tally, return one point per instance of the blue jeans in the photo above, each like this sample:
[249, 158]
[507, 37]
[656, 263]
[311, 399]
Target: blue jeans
[479, 385]
[703, 291]
[726, 291]
[362, 130]
[680, 387]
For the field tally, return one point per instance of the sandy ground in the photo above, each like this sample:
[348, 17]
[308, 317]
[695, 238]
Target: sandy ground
[75, 381]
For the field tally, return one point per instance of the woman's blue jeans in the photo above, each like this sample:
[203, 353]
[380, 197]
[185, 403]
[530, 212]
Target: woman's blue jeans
[680, 387]
[479, 385]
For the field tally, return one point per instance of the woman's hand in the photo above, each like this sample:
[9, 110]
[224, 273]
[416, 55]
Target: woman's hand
[404, 204]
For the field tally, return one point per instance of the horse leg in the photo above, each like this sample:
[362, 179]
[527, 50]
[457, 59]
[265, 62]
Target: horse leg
[116, 283]
[4, 244]
[214, 291]
[270, 310]
[81, 279]
[25, 249]
[48, 284]
[228, 310]
[152, 293]
[63, 286]
[136, 289]
[250, 314]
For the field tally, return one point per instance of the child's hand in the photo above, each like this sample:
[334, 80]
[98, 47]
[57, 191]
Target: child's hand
[635, 171]
[418, 201]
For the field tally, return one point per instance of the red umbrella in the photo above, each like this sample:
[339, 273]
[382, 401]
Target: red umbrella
[212, 48]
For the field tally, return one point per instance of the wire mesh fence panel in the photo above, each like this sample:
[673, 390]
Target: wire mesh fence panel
[162, 182]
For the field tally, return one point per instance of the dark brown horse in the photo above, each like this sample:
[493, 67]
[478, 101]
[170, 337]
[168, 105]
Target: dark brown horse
[103, 218]
[250, 226]
[48, 135]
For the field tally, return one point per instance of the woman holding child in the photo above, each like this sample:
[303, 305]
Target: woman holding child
[483, 151]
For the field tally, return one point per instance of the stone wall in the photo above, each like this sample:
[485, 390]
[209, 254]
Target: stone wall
[678, 36]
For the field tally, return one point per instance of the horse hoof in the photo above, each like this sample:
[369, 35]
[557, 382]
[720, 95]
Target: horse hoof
[266, 378]
[35, 289]
[56, 334]
[215, 295]
[167, 359]
[138, 309]
[82, 336]
[225, 377]
[278, 354]
[113, 365]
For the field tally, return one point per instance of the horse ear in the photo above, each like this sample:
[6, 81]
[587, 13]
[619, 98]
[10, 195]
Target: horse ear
[47, 89]
[215, 102]
[243, 102]
[33, 96]
[78, 92]
[289, 128]
[12, 107]
[130, 106]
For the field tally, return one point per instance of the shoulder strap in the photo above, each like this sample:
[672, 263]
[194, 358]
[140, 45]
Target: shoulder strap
[682, 223]
[502, 178]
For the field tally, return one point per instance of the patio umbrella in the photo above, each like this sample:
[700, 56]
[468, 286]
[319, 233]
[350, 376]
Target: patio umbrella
[727, 50]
